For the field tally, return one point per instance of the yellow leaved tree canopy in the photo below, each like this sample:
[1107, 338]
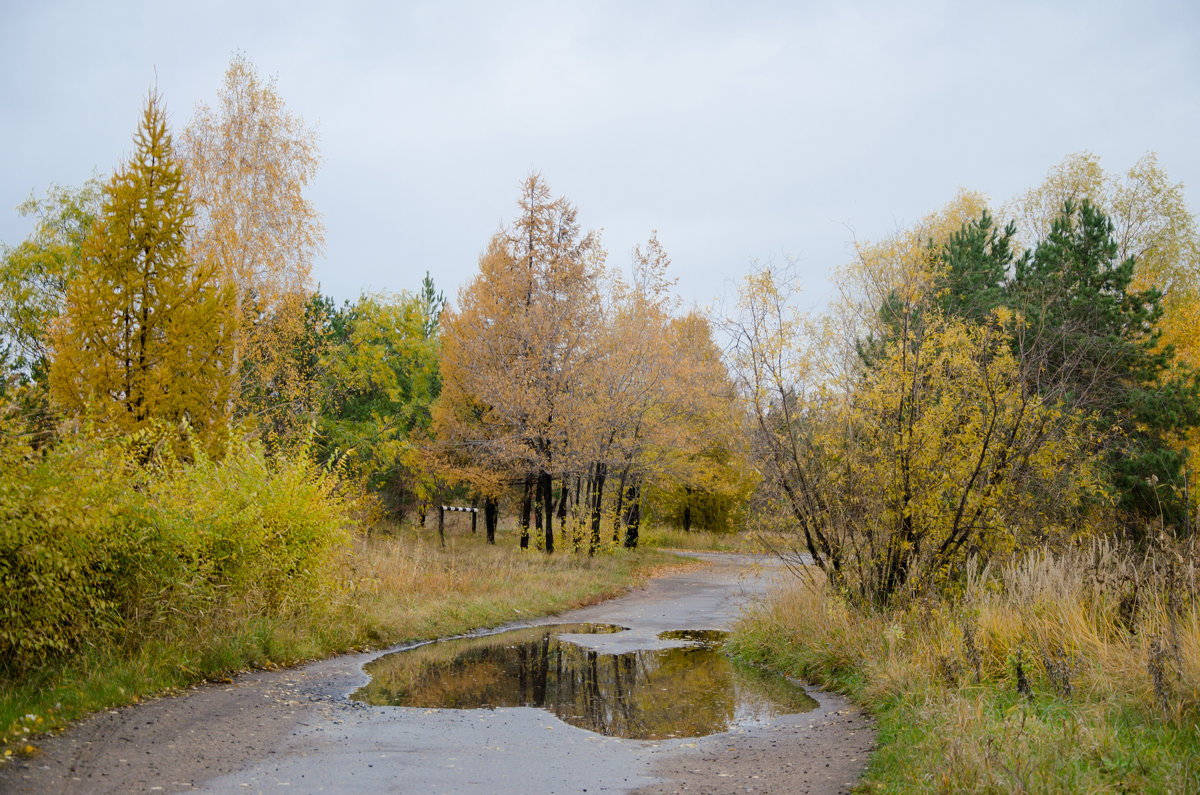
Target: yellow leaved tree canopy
[140, 337]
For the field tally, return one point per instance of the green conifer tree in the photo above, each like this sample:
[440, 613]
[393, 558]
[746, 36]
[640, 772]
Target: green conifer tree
[1094, 343]
[975, 265]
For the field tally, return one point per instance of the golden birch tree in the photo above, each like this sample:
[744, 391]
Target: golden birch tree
[140, 336]
[249, 162]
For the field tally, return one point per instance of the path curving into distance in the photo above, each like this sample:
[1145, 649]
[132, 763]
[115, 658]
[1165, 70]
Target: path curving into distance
[297, 730]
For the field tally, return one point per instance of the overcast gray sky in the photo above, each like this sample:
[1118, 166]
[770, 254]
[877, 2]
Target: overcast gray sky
[739, 131]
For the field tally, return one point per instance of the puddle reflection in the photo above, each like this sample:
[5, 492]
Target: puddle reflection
[688, 691]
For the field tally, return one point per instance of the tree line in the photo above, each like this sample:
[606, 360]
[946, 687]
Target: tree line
[980, 387]
[177, 296]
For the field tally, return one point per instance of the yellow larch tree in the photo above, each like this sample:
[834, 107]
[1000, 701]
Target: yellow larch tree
[140, 335]
[513, 347]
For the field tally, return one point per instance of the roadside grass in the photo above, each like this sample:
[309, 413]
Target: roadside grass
[398, 586]
[668, 537]
[1077, 672]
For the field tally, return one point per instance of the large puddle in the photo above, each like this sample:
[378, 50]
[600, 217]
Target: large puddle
[686, 691]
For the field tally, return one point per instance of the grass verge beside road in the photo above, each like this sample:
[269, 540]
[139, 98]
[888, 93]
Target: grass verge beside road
[1070, 673]
[398, 588]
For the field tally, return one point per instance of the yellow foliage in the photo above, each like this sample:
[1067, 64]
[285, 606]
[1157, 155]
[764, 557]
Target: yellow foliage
[894, 472]
[140, 338]
[248, 164]
[97, 546]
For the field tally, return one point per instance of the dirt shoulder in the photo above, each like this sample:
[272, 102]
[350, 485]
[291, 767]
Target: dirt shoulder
[297, 731]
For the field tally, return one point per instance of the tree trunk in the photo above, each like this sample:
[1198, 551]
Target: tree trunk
[491, 511]
[562, 509]
[526, 507]
[618, 517]
[597, 499]
[633, 516]
[586, 489]
[546, 484]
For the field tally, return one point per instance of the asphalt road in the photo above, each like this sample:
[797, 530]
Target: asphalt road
[297, 731]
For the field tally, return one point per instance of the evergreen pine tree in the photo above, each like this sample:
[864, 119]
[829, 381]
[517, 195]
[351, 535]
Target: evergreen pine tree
[975, 264]
[1094, 344]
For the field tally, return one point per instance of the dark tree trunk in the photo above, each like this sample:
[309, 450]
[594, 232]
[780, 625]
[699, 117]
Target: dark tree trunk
[491, 511]
[442, 524]
[526, 507]
[597, 500]
[618, 516]
[546, 485]
[586, 489]
[633, 516]
[562, 509]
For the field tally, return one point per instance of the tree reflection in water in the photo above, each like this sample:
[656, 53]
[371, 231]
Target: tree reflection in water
[687, 691]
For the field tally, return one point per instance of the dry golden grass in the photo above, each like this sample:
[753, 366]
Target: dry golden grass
[1077, 671]
[406, 586]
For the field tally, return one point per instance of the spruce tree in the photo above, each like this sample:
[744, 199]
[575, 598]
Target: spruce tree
[140, 335]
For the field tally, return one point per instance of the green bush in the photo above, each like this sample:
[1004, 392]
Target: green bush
[99, 547]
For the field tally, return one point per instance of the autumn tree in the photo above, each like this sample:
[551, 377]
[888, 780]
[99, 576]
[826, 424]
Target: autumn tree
[514, 345]
[696, 459]
[249, 163]
[619, 385]
[140, 334]
[381, 379]
[933, 450]
[34, 275]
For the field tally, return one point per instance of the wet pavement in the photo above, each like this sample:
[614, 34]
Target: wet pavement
[298, 730]
[689, 689]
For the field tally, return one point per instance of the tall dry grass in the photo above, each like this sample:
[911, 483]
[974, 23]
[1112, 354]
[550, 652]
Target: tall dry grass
[1067, 671]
